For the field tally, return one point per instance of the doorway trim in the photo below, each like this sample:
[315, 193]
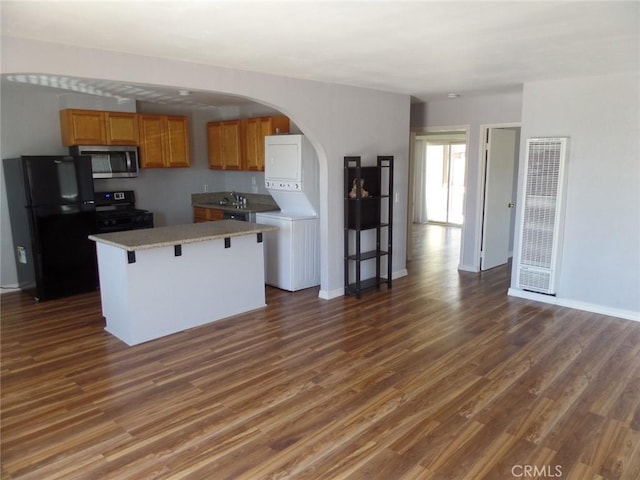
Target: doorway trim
[482, 179]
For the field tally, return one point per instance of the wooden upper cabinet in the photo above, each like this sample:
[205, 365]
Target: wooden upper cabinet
[255, 131]
[214, 145]
[82, 127]
[252, 139]
[224, 145]
[231, 142]
[121, 128]
[239, 144]
[152, 144]
[97, 127]
[177, 135]
[164, 141]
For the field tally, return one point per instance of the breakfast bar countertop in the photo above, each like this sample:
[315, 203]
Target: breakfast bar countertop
[133, 240]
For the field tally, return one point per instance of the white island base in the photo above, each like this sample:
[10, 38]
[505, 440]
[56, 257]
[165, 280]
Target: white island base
[151, 292]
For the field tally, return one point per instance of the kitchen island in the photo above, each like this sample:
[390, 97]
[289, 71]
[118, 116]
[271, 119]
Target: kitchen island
[159, 281]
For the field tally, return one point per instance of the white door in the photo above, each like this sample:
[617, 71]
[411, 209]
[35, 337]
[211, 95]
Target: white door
[498, 197]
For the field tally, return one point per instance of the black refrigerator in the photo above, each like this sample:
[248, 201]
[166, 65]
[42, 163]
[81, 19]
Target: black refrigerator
[52, 212]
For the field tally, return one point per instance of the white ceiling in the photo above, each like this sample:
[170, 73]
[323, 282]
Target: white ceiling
[422, 48]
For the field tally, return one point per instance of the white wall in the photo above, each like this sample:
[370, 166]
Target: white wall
[339, 120]
[600, 269]
[472, 112]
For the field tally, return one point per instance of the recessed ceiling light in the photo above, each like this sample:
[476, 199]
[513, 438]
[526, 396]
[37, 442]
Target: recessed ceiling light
[184, 93]
[453, 95]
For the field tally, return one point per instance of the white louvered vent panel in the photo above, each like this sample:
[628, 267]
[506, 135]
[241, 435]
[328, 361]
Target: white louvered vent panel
[536, 279]
[541, 214]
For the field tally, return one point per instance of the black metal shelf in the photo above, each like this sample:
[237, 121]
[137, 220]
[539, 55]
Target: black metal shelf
[367, 190]
[371, 254]
[366, 285]
[367, 198]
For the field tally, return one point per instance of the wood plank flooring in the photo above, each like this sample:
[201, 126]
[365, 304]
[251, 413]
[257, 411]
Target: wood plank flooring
[442, 377]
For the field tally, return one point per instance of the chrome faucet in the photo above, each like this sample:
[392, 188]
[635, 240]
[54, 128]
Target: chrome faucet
[237, 197]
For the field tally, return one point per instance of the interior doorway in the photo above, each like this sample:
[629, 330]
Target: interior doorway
[439, 177]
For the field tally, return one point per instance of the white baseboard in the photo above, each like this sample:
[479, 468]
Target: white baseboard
[399, 274]
[329, 294]
[9, 288]
[468, 268]
[587, 307]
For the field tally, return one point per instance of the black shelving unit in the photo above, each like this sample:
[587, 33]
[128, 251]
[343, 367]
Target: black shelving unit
[367, 212]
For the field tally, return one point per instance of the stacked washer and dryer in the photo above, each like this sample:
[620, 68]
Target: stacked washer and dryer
[292, 254]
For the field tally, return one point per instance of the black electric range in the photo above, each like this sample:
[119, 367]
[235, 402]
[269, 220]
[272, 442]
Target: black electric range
[116, 212]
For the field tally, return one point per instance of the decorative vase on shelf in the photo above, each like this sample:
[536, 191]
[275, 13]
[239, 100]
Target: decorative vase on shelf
[354, 189]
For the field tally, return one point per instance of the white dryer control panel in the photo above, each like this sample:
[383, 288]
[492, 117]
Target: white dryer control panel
[287, 186]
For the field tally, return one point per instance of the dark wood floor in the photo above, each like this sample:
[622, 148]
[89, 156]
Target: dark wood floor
[444, 376]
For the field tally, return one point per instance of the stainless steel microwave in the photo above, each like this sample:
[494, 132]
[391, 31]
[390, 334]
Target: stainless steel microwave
[110, 161]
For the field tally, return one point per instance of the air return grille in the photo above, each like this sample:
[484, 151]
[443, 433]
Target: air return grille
[542, 215]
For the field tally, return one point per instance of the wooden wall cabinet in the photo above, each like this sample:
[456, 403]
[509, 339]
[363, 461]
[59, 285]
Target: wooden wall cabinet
[224, 145]
[82, 127]
[164, 141]
[121, 128]
[97, 127]
[203, 214]
[239, 144]
[177, 135]
[152, 148]
[254, 132]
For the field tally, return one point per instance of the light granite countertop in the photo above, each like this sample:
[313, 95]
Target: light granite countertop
[132, 240]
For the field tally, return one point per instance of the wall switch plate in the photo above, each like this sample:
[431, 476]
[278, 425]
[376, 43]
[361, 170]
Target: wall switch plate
[22, 254]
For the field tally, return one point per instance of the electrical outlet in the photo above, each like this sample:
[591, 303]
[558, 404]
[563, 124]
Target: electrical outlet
[205, 188]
